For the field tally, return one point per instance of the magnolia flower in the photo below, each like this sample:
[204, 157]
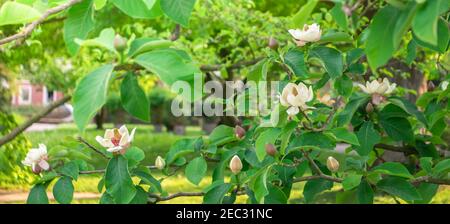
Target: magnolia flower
[332, 164]
[295, 97]
[116, 139]
[160, 163]
[382, 88]
[309, 33]
[444, 85]
[37, 159]
[235, 164]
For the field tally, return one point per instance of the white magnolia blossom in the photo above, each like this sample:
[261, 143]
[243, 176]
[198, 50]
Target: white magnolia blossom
[295, 97]
[309, 33]
[37, 159]
[376, 87]
[116, 139]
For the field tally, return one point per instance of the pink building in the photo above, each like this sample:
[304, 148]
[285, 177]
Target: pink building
[34, 95]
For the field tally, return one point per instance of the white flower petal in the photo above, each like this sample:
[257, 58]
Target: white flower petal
[109, 134]
[292, 111]
[132, 135]
[44, 165]
[114, 149]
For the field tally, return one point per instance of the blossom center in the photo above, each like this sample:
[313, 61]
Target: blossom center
[116, 139]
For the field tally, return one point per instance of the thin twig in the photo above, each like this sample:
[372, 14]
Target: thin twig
[30, 27]
[21, 128]
[80, 139]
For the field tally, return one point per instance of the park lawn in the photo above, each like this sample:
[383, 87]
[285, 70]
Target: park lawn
[155, 144]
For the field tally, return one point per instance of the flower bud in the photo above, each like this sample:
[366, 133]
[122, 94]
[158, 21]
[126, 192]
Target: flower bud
[160, 163]
[369, 108]
[271, 150]
[273, 43]
[239, 132]
[431, 86]
[120, 43]
[235, 164]
[332, 164]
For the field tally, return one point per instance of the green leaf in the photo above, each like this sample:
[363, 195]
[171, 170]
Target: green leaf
[351, 181]
[392, 111]
[427, 191]
[426, 163]
[365, 193]
[141, 196]
[393, 169]
[106, 199]
[216, 194]
[314, 187]
[295, 59]
[302, 16]
[221, 135]
[258, 71]
[399, 129]
[386, 31]
[17, 13]
[46, 178]
[368, 137]
[79, 22]
[146, 44]
[178, 149]
[342, 134]
[399, 187]
[134, 155]
[133, 97]
[269, 136]
[442, 167]
[411, 52]
[38, 195]
[104, 40]
[196, 170]
[425, 23]
[259, 185]
[139, 9]
[70, 169]
[275, 196]
[346, 115]
[344, 86]
[330, 58]
[443, 38]
[409, 107]
[314, 140]
[335, 37]
[339, 16]
[118, 181]
[90, 95]
[178, 10]
[148, 179]
[63, 190]
[99, 4]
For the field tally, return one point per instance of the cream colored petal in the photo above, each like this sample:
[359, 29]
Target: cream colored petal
[124, 139]
[44, 165]
[104, 142]
[300, 43]
[109, 134]
[123, 129]
[43, 148]
[363, 88]
[292, 111]
[114, 149]
[295, 33]
[131, 138]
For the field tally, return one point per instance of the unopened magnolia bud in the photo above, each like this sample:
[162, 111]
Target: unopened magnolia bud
[273, 43]
[431, 86]
[239, 132]
[377, 99]
[120, 43]
[160, 163]
[332, 164]
[235, 164]
[271, 150]
[369, 108]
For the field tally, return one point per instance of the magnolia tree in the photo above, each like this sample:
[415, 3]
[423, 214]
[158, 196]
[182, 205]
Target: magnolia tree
[352, 50]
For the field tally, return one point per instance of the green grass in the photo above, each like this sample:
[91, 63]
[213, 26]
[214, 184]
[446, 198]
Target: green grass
[158, 144]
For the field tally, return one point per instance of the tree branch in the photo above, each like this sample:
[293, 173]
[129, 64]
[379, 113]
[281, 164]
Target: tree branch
[30, 27]
[80, 139]
[158, 198]
[405, 149]
[19, 129]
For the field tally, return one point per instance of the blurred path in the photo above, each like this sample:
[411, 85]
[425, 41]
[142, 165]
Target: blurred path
[41, 127]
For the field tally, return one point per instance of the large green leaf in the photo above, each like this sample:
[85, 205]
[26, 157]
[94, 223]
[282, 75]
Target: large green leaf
[443, 38]
[399, 187]
[178, 10]
[63, 190]
[368, 137]
[267, 137]
[410, 108]
[386, 31]
[79, 22]
[351, 181]
[38, 195]
[314, 187]
[104, 40]
[345, 116]
[222, 134]
[146, 44]
[331, 60]
[442, 167]
[70, 169]
[196, 170]
[312, 140]
[133, 97]
[118, 181]
[139, 9]
[295, 59]
[178, 149]
[365, 193]
[17, 13]
[302, 16]
[398, 128]
[425, 23]
[342, 134]
[216, 194]
[393, 169]
[339, 16]
[90, 95]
